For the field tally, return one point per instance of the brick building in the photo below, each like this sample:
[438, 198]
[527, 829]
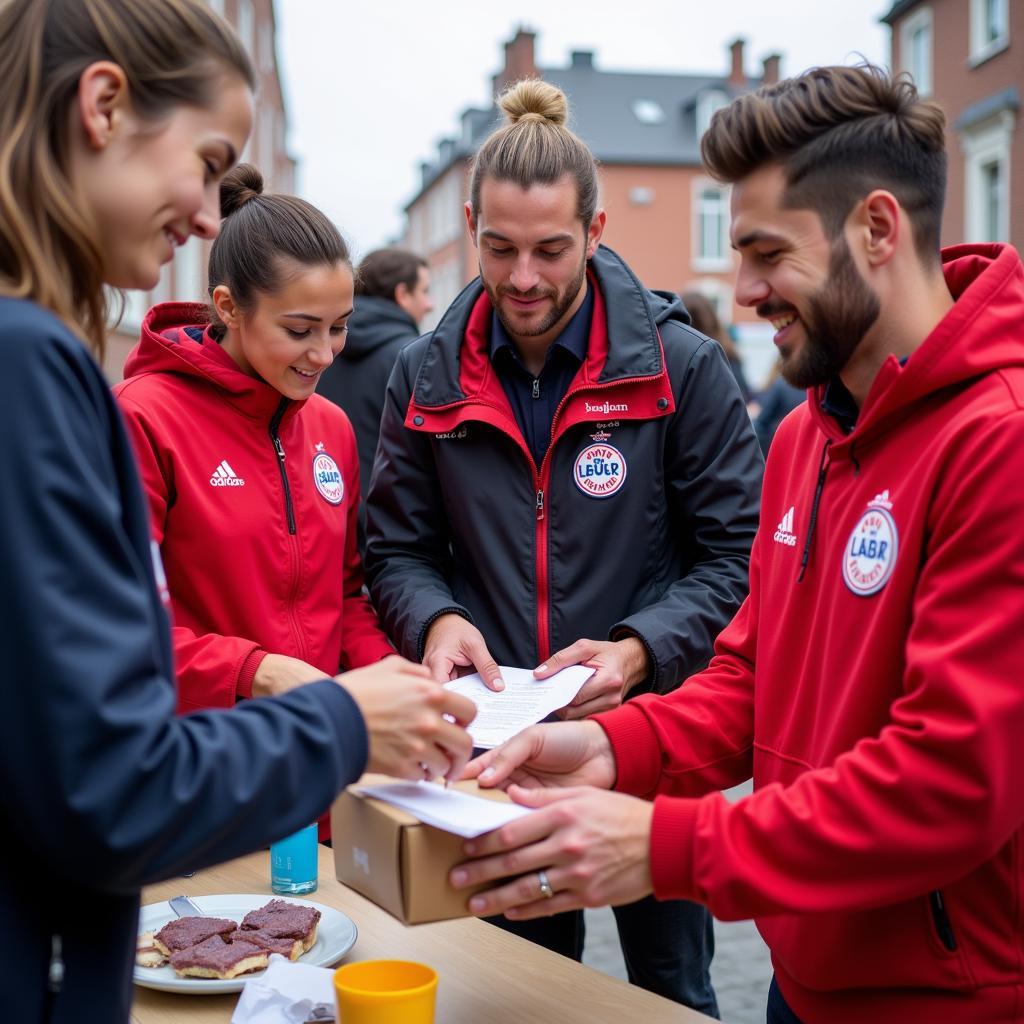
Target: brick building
[968, 55]
[185, 277]
[666, 217]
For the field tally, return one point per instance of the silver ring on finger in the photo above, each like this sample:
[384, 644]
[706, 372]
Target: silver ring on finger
[545, 886]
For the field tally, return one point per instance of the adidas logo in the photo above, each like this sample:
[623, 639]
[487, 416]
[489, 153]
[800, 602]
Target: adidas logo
[784, 531]
[225, 476]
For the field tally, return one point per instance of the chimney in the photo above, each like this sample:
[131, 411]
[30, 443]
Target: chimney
[519, 62]
[770, 69]
[737, 76]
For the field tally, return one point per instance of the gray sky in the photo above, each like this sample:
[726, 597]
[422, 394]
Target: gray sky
[372, 87]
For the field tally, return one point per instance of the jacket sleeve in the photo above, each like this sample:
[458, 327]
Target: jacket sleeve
[911, 809]
[212, 670]
[713, 470]
[408, 549]
[93, 758]
[363, 641]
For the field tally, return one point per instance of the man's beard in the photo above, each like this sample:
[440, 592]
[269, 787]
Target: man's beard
[562, 303]
[838, 316]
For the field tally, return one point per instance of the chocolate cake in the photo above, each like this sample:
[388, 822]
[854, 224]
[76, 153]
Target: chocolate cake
[187, 931]
[284, 920]
[215, 958]
[291, 948]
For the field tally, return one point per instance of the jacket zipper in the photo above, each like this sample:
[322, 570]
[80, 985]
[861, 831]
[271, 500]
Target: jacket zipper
[540, 482]
[941, 918]
[279, 449]
[289, 510]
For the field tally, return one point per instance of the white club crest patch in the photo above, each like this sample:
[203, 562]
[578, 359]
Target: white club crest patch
[327, 478]
[599, 471]
[870, 554]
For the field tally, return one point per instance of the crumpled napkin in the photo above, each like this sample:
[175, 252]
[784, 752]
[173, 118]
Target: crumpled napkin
[287, 993]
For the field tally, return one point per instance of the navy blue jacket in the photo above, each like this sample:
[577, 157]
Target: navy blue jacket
[104, 789]
[638, 522]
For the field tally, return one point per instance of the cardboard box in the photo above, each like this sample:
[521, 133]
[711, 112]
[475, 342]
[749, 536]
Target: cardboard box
[393, 859]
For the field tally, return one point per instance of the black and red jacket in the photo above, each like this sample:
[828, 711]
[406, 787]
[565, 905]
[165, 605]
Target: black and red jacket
[638, 522]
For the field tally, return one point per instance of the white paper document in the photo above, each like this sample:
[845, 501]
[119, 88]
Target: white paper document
[524, 701]
[447, 809]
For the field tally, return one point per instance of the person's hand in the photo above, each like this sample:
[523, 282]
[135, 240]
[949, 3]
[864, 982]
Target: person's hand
[593, 847]
[453, 643]
[543, 756]
[277, 673]
[416, 728]
[620, 664]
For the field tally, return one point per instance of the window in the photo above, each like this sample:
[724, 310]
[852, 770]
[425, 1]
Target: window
[987, 177]
[188, 273]
[708, 102]
[990, 29]
[648, 111]
[711, 222]
[247, 26]
[916, 49]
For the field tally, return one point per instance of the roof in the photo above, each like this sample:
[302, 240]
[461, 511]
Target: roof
[638, 118]
[898, 9]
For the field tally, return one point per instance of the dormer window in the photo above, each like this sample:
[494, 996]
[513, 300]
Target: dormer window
[708, 102]
[648, 111]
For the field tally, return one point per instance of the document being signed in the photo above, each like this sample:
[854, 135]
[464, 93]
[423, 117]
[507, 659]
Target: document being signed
[524, 700]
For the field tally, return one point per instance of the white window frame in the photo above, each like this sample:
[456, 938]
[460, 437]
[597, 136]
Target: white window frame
[188, 272]
[983, 145]
[919, 21]
[708, 101]
[702, 260]
[981, 48]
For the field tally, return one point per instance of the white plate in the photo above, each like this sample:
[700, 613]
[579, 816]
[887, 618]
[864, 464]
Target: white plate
[335, 937]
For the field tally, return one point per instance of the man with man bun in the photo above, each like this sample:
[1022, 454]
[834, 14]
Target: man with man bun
[871, 683]
[566, 474]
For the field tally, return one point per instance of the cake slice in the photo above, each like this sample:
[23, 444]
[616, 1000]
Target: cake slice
[284, 920]
[146, 954]
[291, 948]
[215, 958]
[188, 931]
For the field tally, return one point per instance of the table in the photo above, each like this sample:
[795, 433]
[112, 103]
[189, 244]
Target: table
[486, 974]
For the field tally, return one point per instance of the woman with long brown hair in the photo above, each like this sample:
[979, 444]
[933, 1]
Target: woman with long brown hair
[118, 118]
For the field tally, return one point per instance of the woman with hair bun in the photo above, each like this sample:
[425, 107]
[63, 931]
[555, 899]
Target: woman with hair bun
[118, 119]
[255, 505]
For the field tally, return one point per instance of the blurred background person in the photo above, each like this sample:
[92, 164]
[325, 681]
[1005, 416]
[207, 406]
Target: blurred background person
[778, 399]
[392, 297]
[704, 319]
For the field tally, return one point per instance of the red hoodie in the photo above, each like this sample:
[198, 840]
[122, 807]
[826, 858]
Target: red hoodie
[877, 695]
[258, 536]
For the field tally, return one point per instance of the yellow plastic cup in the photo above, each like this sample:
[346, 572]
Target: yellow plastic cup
[385, 992]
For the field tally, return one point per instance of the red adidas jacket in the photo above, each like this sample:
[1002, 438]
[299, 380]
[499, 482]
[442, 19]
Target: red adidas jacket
[876, 695]
[254, 501]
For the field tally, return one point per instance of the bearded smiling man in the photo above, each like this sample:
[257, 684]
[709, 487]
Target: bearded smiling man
[566, 473]
[871, 682]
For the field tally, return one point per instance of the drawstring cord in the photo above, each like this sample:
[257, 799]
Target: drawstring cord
[822, 471]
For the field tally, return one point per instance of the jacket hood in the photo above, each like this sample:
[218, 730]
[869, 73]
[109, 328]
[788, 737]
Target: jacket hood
[981, 334]
[171, 342]
[376, 322]
[634, 315]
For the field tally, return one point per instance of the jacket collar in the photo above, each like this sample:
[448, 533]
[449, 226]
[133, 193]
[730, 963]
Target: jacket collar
[630, 346]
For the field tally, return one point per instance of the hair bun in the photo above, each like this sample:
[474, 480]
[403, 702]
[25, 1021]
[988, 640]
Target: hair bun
[535, 100]
[240, 184]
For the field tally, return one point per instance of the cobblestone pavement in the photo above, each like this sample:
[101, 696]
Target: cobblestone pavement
[740, 971]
